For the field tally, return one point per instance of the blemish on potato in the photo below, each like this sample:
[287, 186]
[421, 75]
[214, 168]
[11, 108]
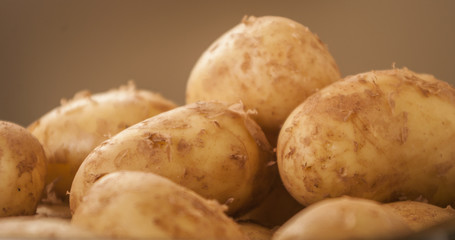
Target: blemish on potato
[183, 146]
[27, 165]
[246, 64]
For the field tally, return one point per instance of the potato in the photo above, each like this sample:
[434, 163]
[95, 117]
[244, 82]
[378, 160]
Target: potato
[275, 209]
[32, 227]
[213, 148]
[128, 204]
[270, 63]
[255, 231]
[383, 135]
[70, 131]
[22, 170]
[343, 218]
[420, 215]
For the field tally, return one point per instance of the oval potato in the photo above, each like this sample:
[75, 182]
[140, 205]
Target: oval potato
[343, 218]
[382, 135]
[270, 63]
[22, 170]
[69, 132]
[128, 204]
[213, 148]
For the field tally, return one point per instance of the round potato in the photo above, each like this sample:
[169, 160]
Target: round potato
[420, 215]
[383, 135]
[22, 170]
[32, 227]
[343, 218]
[270, 63]
[213, 148]
[128, 204]
[69, 132]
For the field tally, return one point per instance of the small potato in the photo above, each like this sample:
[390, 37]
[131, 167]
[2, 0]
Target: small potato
[420, 215]
[255, 231]
[31, 227]
[142, 205]
[270, 63]
[343, 218]
[69, 132]
[22, 170]
[381, 135]
[212, 148]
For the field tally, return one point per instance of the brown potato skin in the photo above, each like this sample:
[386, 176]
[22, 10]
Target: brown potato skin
[270, 63]
[383, 135]
[22, 170]
[213, 148]
[71, 131]
[143, 205]
[420, 215]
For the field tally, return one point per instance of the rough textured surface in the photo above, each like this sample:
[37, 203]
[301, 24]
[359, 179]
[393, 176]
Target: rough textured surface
[22, 170]
[420, 215]
[269, 63]
[128, 204]
[70, 131]
[383, 135]
[212, 148]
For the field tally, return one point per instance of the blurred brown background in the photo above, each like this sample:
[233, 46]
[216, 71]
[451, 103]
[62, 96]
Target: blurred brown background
[51, 49]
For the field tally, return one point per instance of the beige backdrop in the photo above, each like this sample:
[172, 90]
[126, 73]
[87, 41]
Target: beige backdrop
[51, 49]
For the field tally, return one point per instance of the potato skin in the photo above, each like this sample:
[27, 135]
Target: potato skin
[343, 218]
[382, 135]
[22, 170]
[128, 204]
[420, 215]
[213, 148]
[270, 63]
[70, 131]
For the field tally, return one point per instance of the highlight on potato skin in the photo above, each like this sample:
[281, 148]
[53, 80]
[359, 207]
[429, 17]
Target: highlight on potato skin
[34, 227]
[22, 170]
[270, 63]
[213, 148]
[143, 205]
[382, 135]
[69, 132]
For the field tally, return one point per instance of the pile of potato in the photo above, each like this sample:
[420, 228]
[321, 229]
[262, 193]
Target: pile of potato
[272, 143]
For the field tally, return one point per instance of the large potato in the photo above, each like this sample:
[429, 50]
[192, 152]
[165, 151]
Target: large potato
[69, 132]
[269, 63]
[343, 218]
[22, 170]
[32, 227]
[213, 148]
[382, 135]
[420, 215]
[142, 205]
